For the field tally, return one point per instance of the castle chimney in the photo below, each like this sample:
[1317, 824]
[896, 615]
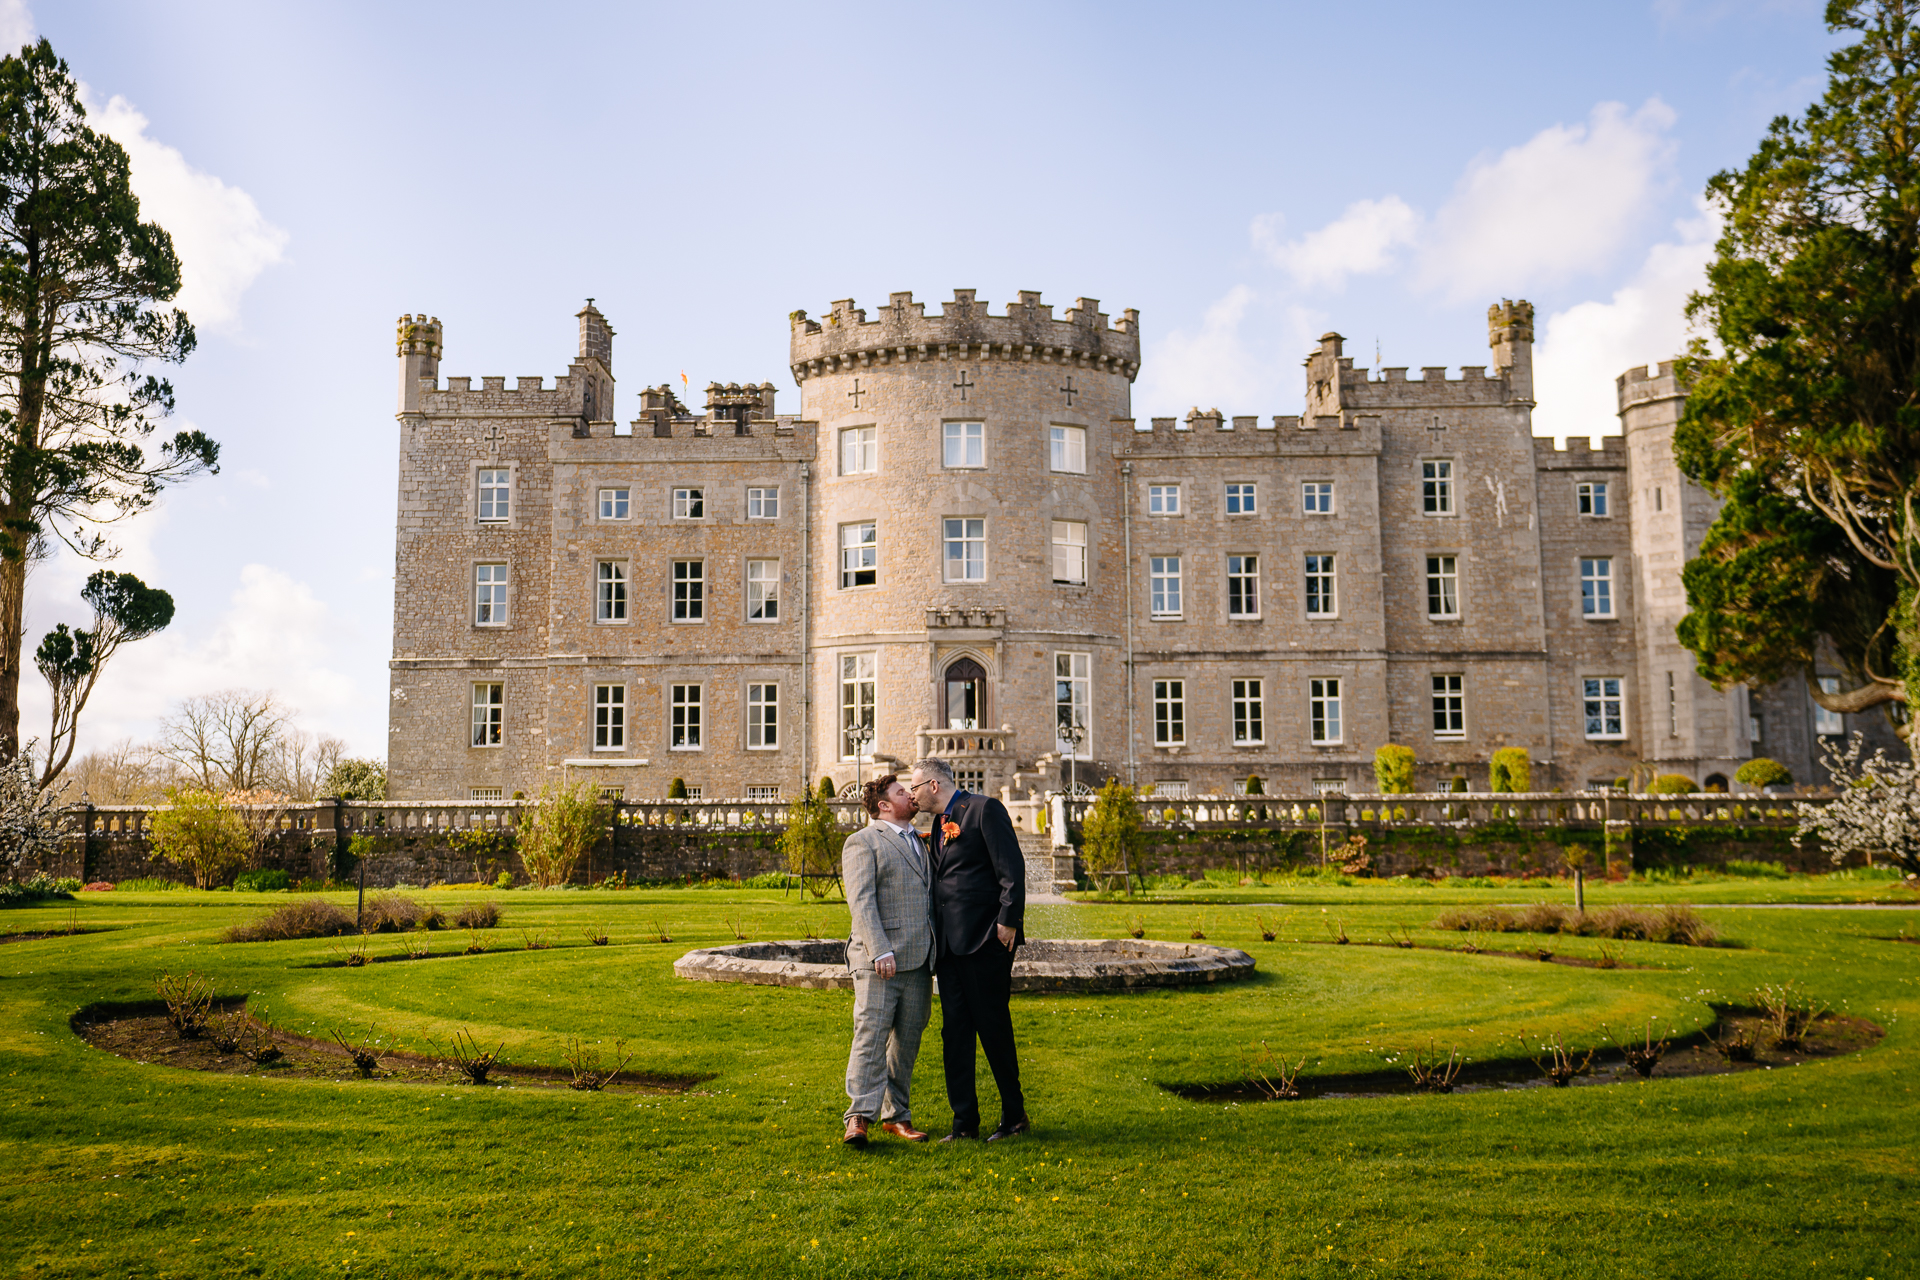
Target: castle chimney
[1510, 335]
[596, 336]
[419, 344]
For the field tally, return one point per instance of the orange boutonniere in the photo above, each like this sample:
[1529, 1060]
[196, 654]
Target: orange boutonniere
[949, 829]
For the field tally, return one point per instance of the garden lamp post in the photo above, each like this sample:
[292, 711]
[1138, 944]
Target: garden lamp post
[1073, 734]
[860, 737]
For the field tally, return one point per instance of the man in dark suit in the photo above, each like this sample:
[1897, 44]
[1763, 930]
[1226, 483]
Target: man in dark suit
[979, 899]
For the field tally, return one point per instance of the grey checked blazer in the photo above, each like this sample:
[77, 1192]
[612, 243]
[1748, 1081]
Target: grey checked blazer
[889, 898]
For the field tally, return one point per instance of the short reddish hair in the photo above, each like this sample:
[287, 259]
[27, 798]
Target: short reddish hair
[874, 792]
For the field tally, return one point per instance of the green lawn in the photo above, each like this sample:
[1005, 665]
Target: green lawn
[1705, 889]
[123, 1169]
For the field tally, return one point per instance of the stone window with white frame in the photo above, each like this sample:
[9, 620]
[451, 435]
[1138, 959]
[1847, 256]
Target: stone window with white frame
[490, 595]
[1443, 587]
[494, 497]
[965, 545]
[1067, 449]
[616, 504]
[1436, 487]
[610, 591]
[1322, 587]
[965, 444]
[609, 717]
[1591, 496]
[1163, 586]
[859, 554]
[1073, 700]
[1243, 586]
[763, 591]
[1449, 706]
[1163, 499]
[1249, 712]
[1596, 586]
[1169, 713]
[685, 722]
[1243, 499]
[1604, 702]
[489, 713]
[689, 590]
[858, 700]
[859, 450]
[1316, 497]
[1323, 711]
[1828, 724]
[1070, 552]
[763, 717]
[689, 504]
[485, 795]
[763, 503]
[763, 794]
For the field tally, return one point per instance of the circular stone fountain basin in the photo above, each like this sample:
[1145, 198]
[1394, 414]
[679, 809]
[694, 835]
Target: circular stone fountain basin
[1098, 964]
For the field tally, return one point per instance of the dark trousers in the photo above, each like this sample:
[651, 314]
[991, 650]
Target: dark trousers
[974, 991]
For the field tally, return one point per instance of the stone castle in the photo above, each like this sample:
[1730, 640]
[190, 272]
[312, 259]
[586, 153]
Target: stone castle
[966, 545]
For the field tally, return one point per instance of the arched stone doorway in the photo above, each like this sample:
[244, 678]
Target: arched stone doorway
[964, 695]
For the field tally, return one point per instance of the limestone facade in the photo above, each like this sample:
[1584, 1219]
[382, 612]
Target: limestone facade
[965, 540]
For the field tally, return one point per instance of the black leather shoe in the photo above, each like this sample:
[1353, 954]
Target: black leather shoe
[1008, 1128]
[961, 1135]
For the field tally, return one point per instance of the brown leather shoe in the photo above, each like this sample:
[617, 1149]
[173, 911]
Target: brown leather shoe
[904, 1131]
[856, 1135]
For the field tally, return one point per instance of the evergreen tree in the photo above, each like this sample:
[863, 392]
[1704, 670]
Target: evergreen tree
[1804, 409]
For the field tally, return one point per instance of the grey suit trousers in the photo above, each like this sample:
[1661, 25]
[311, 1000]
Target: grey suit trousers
[889, 1015]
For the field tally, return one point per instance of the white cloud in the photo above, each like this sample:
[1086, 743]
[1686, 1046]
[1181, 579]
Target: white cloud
[16, 25]
[223, 239]
[275, 634]
[1219, 366]
[1362, 240]
[1584, 348]
[1560, 204]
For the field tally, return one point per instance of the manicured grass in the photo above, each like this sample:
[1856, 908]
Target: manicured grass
[124, 1169]
[1862, 887]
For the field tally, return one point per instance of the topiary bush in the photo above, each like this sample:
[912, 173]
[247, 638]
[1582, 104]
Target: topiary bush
[1511, 770]
[1671, 784]
[269, 880]
[1393, 769]
[1254, 786]
[677, 789]
[1762, 772]
[1459, 785]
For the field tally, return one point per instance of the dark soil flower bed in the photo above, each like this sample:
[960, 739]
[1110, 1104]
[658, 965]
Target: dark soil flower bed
[141, 1033]
[1831, 1036]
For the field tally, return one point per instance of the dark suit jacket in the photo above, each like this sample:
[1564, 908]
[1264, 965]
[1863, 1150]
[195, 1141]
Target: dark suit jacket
[979, 876]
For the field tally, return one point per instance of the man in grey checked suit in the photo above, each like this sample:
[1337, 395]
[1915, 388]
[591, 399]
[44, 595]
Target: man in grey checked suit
[884, 868]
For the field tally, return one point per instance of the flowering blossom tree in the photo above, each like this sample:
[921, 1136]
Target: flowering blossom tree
[1878, 811]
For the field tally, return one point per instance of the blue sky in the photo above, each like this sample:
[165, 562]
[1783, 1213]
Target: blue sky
[1245, 175]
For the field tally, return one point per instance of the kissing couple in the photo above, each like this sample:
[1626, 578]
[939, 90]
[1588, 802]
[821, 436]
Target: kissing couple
[951, 902]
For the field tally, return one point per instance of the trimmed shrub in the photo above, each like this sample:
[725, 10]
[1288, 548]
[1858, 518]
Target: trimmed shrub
[1511, 770]
[264, 881]
[1671, 784]
[1254, 786]
[314, 918]
[1459, 785]
[826, 788]
[477, 915]
[677, 789]
[1393, 769]
[201, 832]
[1762, 772]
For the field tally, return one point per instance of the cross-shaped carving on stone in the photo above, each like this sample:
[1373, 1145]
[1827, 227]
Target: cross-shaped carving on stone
[963, 384]
[856, 393]
[493, 440]
[1070, 391]
[1434, 432]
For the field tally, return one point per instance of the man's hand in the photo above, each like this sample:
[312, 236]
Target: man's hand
[1007, 935]
[886, 965]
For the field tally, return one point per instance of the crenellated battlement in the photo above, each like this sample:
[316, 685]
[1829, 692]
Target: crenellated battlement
[584, 392]
[903, 332]
[1639, 385]
[1601, 452]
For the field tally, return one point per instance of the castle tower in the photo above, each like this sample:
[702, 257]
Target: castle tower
[1510, 334]
[595, 365]
[968, 556]
[1685, 722]
[419, 347]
